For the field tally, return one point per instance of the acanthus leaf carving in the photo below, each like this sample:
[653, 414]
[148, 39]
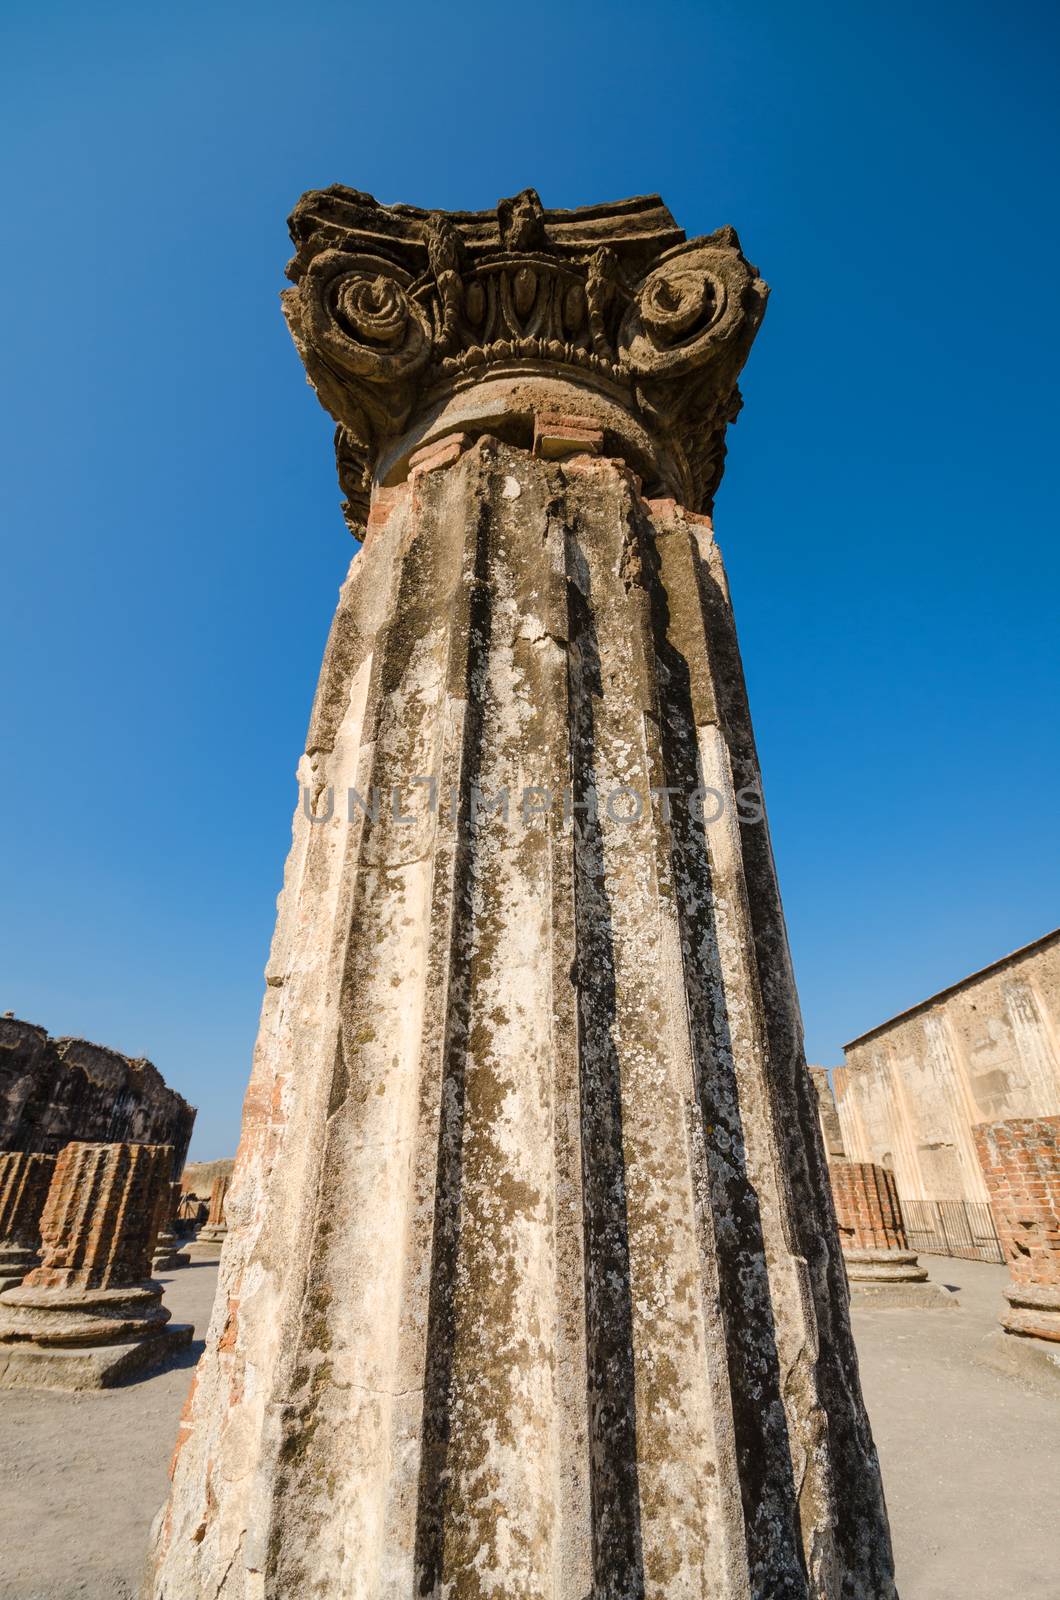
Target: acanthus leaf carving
[396, 308]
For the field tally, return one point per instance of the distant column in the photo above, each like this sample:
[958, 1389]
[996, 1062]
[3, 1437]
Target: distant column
[1021, 1164]
[90, 1314]
[215, 1229]
[24, 1180]
[168, 1254]
[881, 1268]
[828, 1116]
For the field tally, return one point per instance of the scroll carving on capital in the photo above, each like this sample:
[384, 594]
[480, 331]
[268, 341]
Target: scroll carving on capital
[395, 309]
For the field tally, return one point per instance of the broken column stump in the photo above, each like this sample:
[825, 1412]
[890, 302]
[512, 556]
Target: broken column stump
[24, 1180]
[532, 1287]
[1021, 1164]
[214, 1230]
[168, 1255]
[90, 1315]
[881, 1268]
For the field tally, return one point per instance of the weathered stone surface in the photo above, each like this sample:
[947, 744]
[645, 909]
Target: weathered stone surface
[1021, 1165]
[408, 319]
[24, 1180]
[984, 1050]
[55, 1091]
[90, 1314]
[532, 1285]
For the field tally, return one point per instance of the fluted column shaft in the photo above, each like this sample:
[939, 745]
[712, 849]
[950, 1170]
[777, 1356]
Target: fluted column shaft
[102, 1215]
[24, 1180]
[532, 1285]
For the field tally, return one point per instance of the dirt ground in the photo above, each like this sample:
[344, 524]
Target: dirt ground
[971, 1458]
[970, 1454]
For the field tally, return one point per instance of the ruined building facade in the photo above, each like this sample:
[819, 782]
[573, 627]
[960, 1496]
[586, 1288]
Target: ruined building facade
[531, 1285]
[985, 1050]
[53, 1091]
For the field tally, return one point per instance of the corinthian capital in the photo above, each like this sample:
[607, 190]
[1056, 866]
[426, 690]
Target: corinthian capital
[413, 324]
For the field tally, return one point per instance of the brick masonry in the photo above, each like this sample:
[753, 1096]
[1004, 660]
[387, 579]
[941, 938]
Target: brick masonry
[1021, 1164]
[24, 1183]
[24, 1180]
[218, 1192]
[102, 1215]
[867, 1208]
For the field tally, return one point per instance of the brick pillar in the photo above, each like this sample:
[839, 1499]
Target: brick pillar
[215, 1228]
[24, 1180]
[1021, 1164]
[168, 1254]
[90, 1313]
[872, 1233]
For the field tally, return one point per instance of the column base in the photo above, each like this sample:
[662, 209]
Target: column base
[211, 1238]
[33, 1366]
[169, 1260]
[83, 1338]
[1032, 1360]
[1035, 1312]
[893, 1279]
[15, 1261]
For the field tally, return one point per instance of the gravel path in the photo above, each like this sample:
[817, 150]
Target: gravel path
[970, 1455]
[82, 1475]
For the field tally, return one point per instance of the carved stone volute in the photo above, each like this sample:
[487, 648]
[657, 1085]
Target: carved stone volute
[607, 311]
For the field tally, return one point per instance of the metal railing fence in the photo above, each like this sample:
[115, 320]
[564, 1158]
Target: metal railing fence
[952, 1228]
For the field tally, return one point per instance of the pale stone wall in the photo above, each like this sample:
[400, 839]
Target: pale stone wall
[984, 1050]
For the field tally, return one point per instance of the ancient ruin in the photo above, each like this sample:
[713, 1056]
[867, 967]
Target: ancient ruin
[167, 1253]
[1020, 1160]
[983, 1050]
[24, 1180]
[215, 1229]
[532, 1284]
[882, 1269]
[89, 1314]
[831, 1132]
[53, 1091]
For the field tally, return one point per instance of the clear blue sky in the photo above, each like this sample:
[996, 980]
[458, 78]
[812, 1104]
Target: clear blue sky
[172, 537]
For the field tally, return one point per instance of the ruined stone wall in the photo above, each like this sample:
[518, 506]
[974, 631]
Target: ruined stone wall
[1021, 1165]
[53, 1091]
[866, 1205]
[831, 1132]
[198, 1177]
[914, 1088]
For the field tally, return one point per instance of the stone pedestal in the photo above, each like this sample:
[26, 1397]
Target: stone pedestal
[1021, 1164]
[214, 1230]
[881, 1269]
[24, 1180]
[90, 1315]
[168, 1254]
[532, 1286]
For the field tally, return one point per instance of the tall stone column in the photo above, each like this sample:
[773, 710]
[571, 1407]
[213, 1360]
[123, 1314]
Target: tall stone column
[532, 1286]
[881, 1268]
[90, 1315]
[1021, 1164]
[24, 1180]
